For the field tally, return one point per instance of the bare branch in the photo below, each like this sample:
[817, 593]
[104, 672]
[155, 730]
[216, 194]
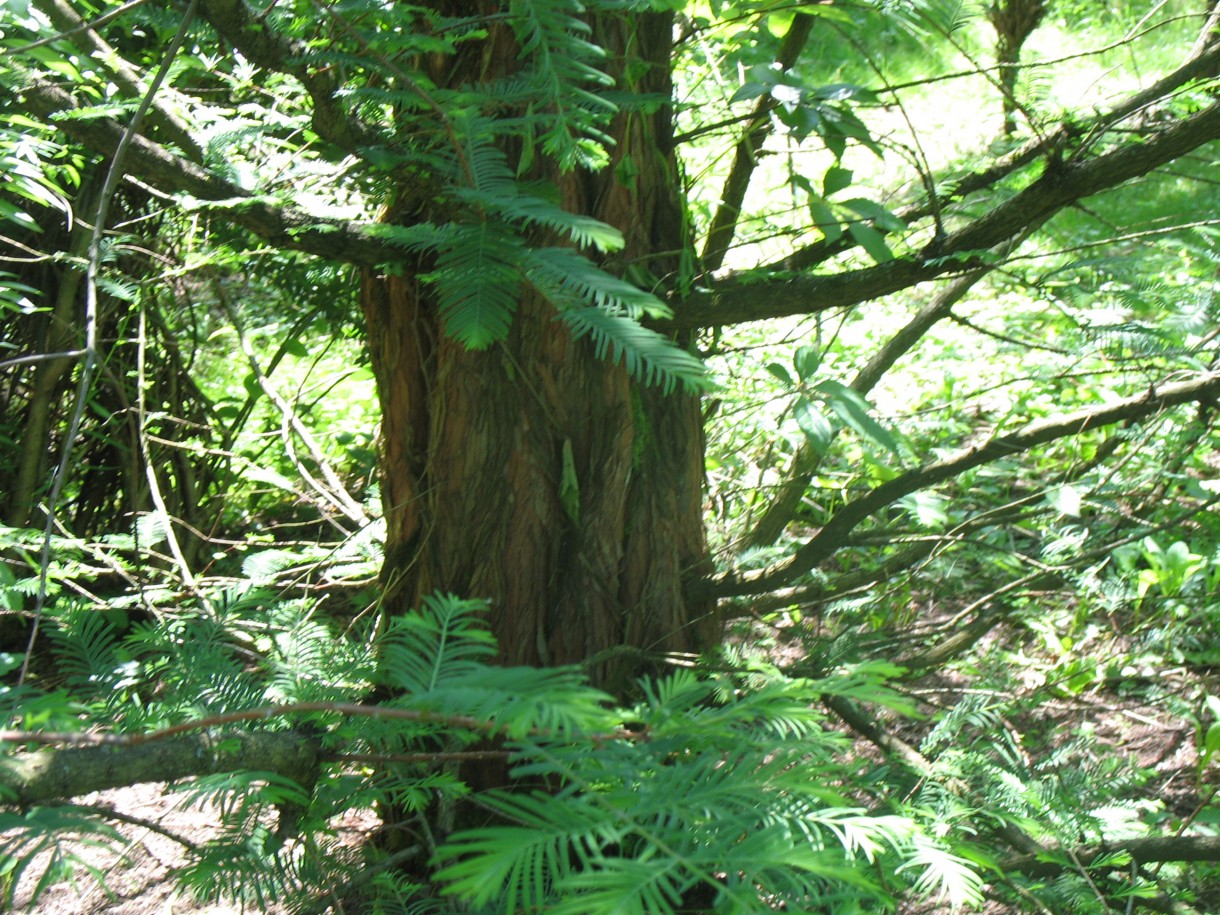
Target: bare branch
[843, 522]
[759, 127]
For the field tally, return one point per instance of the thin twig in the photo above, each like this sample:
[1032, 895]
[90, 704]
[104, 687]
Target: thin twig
[113, 174]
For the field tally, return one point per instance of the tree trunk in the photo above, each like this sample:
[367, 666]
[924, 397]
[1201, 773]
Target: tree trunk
[474, 442]
[1014, 21]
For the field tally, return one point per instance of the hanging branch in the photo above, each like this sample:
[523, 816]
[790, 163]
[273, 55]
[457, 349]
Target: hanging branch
[127, 136]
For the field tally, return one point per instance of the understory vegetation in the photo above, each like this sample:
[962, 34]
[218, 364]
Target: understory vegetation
[282, 287]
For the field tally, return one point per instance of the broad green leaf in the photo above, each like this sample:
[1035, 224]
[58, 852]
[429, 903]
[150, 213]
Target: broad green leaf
[825, 219]
[781, 373]
[880, 216]
[871, 241]
[813, 422]
[806, 361]
[853, 410]
[837, 178]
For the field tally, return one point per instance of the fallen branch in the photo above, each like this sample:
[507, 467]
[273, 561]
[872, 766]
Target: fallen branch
[85, 762]
[1145, 850]
[56, 774]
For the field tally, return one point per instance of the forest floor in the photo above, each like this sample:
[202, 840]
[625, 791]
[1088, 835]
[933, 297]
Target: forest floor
[139, 877]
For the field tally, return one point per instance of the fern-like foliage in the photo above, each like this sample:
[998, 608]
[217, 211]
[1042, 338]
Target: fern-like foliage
[483, 264]
[561, 64]
[478, 282]
[727, 801]
[440, 659]
[714, 790]
[46, 844]
[607, 310]
[441, 641]
[90, 658]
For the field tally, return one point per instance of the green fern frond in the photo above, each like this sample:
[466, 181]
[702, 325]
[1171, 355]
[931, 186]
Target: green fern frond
[1132, 340]
[520, 700]
[943, 874]
[633, 886]
[239, 797]
[520, 864]
[305, 662]
[562, 63]
[48, 844]
[570, 280]
[646, 354]
[478, 282]
[89, 655]
[443, 640]
[495, 191]
[485, 164]
[251, 866]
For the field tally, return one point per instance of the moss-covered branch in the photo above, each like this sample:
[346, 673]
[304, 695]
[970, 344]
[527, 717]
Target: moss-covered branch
[59, 773]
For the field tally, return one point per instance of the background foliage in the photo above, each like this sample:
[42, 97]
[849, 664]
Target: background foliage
[932, 708]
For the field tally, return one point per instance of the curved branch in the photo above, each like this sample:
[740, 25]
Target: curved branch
[1196, 67]
[278, 224]
[1061, 184]
[843, 522]
[787, 499]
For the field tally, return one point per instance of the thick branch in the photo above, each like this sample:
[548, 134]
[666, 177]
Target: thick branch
[1195, 67]
[844, 521]
[1061, 184]
[278, 224]
[55, 774]
[262, 45]
[724, 223]
[64, 18]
